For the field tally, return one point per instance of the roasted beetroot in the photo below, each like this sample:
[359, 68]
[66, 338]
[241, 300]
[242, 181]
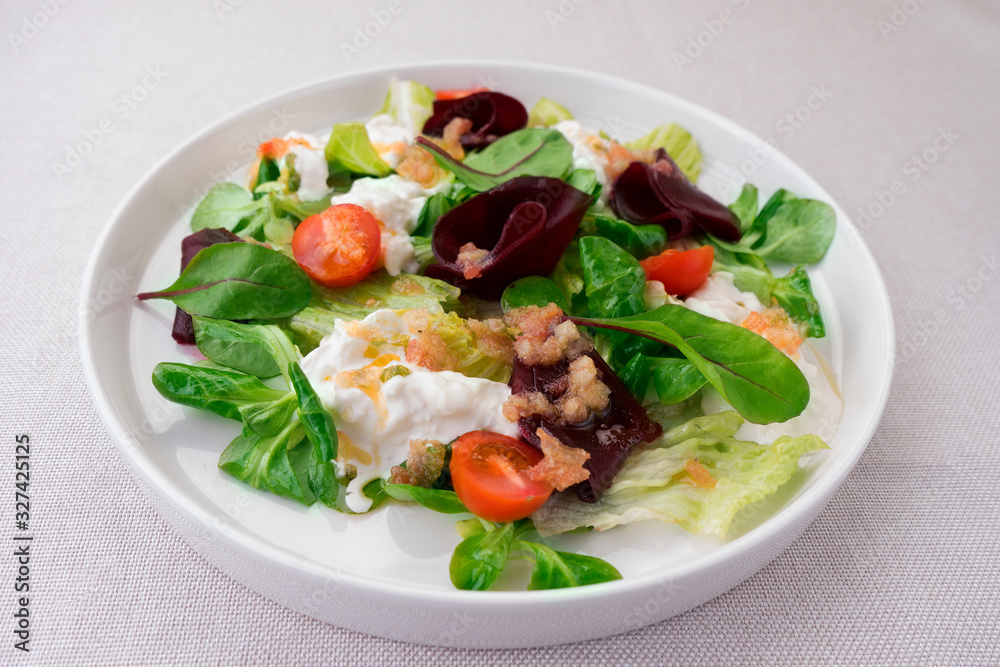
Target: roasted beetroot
[492, 114]
[519, 228]
[609, 438]
[661, 194]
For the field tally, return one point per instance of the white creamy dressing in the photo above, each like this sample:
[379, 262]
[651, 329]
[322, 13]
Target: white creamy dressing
[375, 432]
[720, 299]
[585, 155]
[389, 138]
[396, 203]
[310, 164]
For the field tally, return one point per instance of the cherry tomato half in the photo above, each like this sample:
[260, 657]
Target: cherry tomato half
[457, 94]
[339, 246]
[680, 272]
[488, 472]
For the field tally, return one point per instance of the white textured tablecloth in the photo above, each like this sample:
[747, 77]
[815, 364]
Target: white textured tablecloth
[892, 106]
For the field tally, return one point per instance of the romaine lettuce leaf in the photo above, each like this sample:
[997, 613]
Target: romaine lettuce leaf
[679, 144]
[655, 482]
[379, 290]
[409, 103]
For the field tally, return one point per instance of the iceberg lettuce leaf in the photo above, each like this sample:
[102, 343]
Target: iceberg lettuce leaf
[655, 482]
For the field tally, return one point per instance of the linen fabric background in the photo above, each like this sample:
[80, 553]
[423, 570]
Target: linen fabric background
[891, 106]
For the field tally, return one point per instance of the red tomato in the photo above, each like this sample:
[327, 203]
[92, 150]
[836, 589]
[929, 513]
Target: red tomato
[680, 272]
[457, 94]
[488, 472]
[339, 246]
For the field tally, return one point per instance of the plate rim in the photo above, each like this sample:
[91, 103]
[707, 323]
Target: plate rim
[792, 513]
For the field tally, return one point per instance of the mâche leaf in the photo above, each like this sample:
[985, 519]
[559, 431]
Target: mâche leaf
[559, 569]
[239, 281]
[752, 375]
[675, 380]
[439, 500]
[436, 205]
[226, 393]
[225, 206]
[266, 463]
[641, 241]
[316, 419]
[478, 560]
[257, 349]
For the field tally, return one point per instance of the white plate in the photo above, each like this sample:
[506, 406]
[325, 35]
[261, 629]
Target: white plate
[386, 573]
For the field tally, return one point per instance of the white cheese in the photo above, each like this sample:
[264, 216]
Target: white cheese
[590, 151]
[310, 164]
[389, 138]
[720, 299]
[375, 429]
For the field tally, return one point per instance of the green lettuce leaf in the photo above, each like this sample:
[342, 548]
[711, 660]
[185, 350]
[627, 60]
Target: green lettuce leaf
[678, 143]
[379, 290]
[350, 147]
[547, 113]
[409, 103]
[654, 484]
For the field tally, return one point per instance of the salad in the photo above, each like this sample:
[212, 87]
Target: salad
[503, 315]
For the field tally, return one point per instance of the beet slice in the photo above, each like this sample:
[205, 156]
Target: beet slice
[609, 438]
[183, 330]
[525, 224]
[661, 194]
[492, 114]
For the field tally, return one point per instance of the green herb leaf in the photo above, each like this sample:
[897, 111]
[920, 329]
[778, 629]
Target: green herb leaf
[375, 490]
[479, 560]
[532, 291]
[636, 375]
[559, 569]
[227, 393]
[745, 206]
[679, 144]
[752, 375]
[528, 152]
[641, 241]
[547, 113]
[316, 419]
[257, 349]
[793, 292]
[568, 277]
[435, 206]
[615, 280]
[226, 205]
[439, 500]
[585, 180]
[266, 463]
[800, 231]
[239, 281]
[350, 147]
[675, 380]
